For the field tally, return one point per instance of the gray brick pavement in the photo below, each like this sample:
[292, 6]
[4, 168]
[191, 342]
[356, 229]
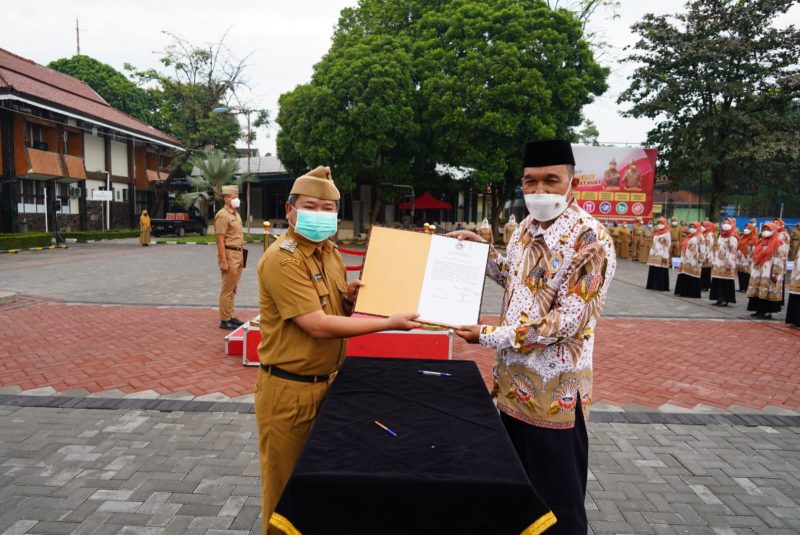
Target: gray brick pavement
[68, 470]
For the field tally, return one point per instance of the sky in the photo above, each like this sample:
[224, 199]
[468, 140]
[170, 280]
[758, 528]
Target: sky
[284, 39]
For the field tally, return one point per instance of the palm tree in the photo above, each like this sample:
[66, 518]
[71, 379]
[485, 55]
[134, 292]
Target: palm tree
[216, 170]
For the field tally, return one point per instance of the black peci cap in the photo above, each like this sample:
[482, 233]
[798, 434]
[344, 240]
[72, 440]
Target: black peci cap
[544, 153]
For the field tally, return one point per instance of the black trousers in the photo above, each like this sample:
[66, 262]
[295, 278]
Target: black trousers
[557, 464]
[744, 281]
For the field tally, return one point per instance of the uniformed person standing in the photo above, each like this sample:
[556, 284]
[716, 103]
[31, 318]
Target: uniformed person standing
[615, 237]
[144, 228]
[676, 239]
[647, 243]
[794, 241]
[305, 302]
[624, 241]
[637, 236]
[230, 247]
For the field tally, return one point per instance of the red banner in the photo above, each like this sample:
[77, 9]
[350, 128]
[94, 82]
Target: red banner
[616, 183]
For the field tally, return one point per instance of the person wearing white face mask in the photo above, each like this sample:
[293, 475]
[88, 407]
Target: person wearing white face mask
[230, 254]
[659, 259]
[305, 304]
[556, 273]
[744, 255]
[723, 266]
[765, 292]
[688, 282]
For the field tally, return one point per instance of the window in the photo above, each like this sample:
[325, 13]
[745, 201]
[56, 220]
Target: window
[125, 194]
[36, 136]
[31, 191]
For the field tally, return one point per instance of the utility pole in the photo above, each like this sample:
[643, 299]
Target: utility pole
[77, 36]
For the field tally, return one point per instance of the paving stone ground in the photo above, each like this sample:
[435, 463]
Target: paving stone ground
[90, 471]
[98, 322]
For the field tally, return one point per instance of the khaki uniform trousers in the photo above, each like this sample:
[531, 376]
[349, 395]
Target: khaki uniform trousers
[285, 411]
[636, 244]
[230, 280]
[624, 246]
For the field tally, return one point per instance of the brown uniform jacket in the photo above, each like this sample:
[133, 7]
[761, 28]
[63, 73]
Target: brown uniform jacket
[295, 278]
[229, 224]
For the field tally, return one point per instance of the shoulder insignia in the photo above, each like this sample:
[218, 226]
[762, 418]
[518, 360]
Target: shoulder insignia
[289, 260]
[289, 245]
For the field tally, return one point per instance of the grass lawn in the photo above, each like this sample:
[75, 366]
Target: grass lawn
[200, 239]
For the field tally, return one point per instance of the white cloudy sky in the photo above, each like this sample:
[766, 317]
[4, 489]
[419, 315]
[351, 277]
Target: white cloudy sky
[284, 37]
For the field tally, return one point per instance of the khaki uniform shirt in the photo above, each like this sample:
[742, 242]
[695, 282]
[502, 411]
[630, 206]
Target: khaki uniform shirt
[229, 224]
[295, 278]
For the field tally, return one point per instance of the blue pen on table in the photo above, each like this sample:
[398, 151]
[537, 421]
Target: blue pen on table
[439, 374]
[385, 428]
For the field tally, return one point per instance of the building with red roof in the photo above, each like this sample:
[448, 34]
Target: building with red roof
[60, 143]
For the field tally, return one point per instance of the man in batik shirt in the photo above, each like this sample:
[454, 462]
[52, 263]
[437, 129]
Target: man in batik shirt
[559, 266]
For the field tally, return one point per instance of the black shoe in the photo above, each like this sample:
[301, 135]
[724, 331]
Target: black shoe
[767, 317]
[228, 325]
[236, 321]
[756, 315]
[717, 304]
[722, 304]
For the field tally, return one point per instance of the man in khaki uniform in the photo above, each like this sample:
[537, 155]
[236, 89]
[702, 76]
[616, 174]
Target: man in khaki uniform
[624, 241]
[614, 232]
[636, 239]
[794, 241]
[230, 247]
[675, 238]
[647, 243]
[305, 302]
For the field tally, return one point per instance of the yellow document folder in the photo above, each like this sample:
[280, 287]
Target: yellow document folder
[439, 278]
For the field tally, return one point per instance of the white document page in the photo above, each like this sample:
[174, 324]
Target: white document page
[453, 284]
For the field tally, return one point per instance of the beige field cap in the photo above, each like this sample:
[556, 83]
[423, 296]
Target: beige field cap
[316, 183]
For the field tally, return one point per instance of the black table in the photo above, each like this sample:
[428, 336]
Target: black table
[450, 469]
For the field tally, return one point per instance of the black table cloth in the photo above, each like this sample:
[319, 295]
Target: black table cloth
[451, 467]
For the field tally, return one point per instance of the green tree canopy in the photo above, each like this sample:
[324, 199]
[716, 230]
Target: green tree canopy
[721, 83]
[109, 83]
[408, 84]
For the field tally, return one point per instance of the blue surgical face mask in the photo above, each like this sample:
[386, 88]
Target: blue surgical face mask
[314, 225]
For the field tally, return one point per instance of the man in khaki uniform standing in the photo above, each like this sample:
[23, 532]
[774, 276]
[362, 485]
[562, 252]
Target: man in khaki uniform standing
[624, 241]
[305, 302]
[675, 238]
[647, 242]
[615, 236]
[230, 247]
[636, 239]
[794, 242]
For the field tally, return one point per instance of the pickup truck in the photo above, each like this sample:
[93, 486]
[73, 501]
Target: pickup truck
[179, 224]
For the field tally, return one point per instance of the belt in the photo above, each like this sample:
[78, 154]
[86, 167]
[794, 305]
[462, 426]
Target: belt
[283, 374]
[232, 248]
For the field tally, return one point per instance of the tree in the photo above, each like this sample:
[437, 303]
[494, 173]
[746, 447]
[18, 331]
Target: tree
[203, 77]
[720, 81]
[356, 114]
[459, 82]
[109, 83]
[588, 133]
[216, 170]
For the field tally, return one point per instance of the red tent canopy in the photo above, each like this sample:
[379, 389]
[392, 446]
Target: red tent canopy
[426, 201]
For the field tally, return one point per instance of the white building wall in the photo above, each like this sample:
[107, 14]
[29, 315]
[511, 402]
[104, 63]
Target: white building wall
[94, 153]
[119, 158]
